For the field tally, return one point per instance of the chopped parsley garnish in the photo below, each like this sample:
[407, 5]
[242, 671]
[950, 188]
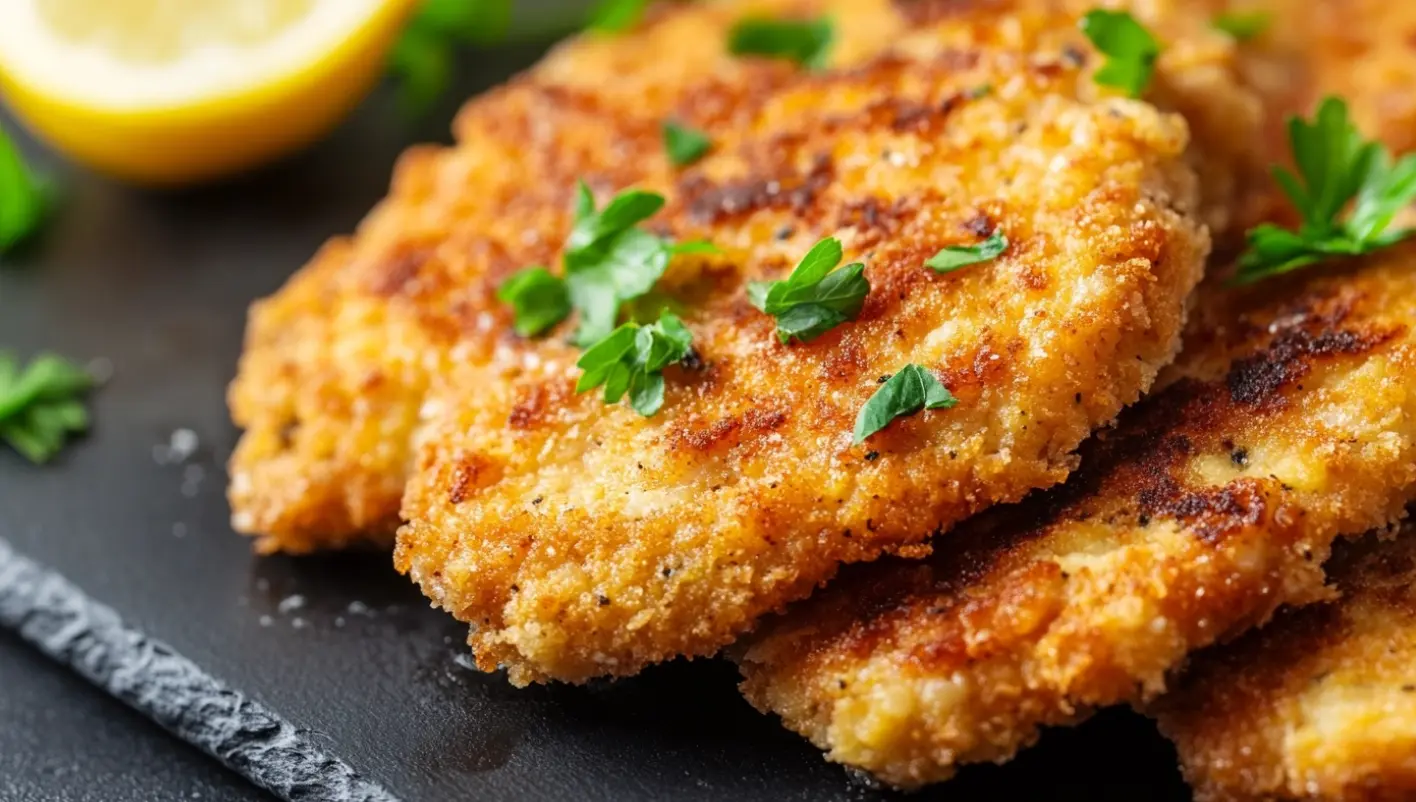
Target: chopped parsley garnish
[1131, 51]
[632, 359]
[911, 390]
[25, 200]
[611, 266]
[422, 58]
[609, 260]
[471, 21]
[807, 42]
[40, 406]
[956, 256]
[612, 16]
[539, 300]
[1338, 167]
[685, 145]
[816, 297]
[1243, 26]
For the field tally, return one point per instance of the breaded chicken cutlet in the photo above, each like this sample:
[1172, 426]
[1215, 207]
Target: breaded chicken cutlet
[1318, 706]
[339, 364]
[1288, 421]
[584, 540]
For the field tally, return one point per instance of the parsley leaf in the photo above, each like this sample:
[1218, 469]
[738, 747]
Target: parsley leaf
[912, 389]
[807, 42]
[956, 256]
[24, 199]
[1337, 166]
[422, 58]
[685, 145]
[470, 21]
[538, 299]
[816, 297]
[613, 16]
[39, 406]
[1243, 26]
[1130, 49]
[423, 65]
[631, 359]
[609, 261]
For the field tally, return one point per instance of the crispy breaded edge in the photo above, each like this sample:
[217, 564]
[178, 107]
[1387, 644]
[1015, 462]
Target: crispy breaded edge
[1318, 706]
[908, 670]
[329, 416]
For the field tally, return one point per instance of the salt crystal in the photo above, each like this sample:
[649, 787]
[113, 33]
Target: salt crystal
[179, 448]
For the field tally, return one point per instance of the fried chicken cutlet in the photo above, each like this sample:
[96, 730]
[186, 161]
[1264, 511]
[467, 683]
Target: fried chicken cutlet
[338, 365]
[1288, 421]
[1318, 706]
[583, 540]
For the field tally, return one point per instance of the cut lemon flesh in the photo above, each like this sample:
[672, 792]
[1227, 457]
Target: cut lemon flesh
[156, 31]
[175, 91]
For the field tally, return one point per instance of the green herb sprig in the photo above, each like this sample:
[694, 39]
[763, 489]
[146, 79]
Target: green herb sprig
[613, 16]
[539, 300]
[632, 359]
[1337, 167]
[25, 199]
[422, 58]
[610, 260]
[1243, 26]
[816, 297]
[954, 257]
[806, 42]
[910, 391]
[40, 405]
[685, 145]
[1130, 49]
[611, 267]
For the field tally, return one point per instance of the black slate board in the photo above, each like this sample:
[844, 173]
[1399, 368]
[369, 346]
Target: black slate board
[158, 285]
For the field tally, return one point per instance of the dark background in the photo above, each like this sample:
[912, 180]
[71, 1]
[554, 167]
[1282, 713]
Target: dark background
[158, 284]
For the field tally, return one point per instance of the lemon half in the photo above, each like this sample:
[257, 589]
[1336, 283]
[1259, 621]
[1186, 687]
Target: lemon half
[178, 91]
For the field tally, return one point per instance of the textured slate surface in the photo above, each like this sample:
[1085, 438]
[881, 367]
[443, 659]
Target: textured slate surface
[158, 284]
[90, 638]
[65, 741]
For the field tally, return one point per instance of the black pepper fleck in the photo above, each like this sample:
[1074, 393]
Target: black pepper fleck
[693, 361]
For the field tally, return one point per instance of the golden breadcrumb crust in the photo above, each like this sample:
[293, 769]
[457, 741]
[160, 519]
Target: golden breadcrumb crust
[1290, 419]
[1318, 706]
[338, 365]
[584, 540]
